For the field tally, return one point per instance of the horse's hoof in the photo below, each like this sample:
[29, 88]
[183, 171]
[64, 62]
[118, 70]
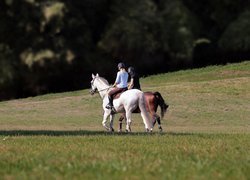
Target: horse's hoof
[128, 130]
[160, 129]
[111, 130]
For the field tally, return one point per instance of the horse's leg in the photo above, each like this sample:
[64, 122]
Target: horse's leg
[120, 122]
[104, 121]
[154, 118]
[111, 122]
[145, 114]
[158, 119]
[129, 121]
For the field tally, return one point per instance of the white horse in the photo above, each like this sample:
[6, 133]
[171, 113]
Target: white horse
[127, 102]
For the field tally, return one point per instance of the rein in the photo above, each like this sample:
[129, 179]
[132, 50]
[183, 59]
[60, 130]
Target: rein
[104, 89]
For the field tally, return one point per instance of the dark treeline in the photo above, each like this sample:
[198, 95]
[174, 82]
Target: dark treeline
[53, 46]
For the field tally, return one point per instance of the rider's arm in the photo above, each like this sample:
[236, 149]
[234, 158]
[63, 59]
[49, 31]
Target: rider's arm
[117, 80]
[131, 83]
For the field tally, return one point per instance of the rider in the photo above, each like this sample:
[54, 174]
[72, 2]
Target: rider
[134, 79]
[120, 84]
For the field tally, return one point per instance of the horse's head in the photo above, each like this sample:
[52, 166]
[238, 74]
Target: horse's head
[99, 84]
[93, 84]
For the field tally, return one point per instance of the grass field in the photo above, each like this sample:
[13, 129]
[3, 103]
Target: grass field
[206, 132]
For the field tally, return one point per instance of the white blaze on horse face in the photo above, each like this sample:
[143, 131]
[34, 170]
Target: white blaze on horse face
[93, 86]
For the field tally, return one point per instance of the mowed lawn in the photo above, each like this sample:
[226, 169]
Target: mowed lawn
[206, 132]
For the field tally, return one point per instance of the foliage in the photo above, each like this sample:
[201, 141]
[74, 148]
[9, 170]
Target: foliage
[179, 30]
[237, 35]
[50, 45]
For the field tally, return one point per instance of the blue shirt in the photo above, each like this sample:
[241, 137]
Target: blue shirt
[122, 79]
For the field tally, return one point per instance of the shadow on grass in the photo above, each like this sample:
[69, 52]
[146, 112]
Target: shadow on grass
[82, 133]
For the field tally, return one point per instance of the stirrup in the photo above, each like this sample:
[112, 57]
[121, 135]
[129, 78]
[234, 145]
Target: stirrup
[108, 106]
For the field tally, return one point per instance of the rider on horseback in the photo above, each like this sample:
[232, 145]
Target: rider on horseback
[134, 79]
[120, 85]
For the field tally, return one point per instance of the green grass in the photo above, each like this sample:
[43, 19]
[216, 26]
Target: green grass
[136, 156]
[206, 132]
[202, 74]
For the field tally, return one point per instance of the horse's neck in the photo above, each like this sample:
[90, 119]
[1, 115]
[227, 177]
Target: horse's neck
[103, 89]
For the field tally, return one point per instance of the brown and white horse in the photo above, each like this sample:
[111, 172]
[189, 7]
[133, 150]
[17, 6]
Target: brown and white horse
[152, 101]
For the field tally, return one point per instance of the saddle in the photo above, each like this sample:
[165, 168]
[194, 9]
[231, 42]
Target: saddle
[119, 94]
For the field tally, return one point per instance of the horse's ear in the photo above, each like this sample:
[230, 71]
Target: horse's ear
[97, 75]
[93, 76]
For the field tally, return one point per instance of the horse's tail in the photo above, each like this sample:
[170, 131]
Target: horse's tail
[144, 113]
[162, 103]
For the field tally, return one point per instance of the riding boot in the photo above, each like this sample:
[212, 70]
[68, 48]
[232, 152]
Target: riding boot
[110, 104]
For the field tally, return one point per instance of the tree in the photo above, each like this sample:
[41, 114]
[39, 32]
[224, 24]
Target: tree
[132, 32]
[179, 30]
[237, 35]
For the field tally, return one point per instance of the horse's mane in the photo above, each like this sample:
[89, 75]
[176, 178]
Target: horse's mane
[104, 80]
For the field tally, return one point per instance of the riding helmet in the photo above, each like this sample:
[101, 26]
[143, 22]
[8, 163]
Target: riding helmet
[131, 70]
[121, 65]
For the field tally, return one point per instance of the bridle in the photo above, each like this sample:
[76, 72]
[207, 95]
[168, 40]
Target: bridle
[95, 90]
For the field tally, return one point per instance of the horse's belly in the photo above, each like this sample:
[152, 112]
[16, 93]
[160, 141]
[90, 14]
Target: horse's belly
[137, 110]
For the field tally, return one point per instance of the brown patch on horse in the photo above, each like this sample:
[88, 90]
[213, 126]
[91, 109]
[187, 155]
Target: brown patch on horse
[151, 103]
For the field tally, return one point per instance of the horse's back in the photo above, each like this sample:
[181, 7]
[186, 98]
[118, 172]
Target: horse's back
[130, 96]
[132, 92]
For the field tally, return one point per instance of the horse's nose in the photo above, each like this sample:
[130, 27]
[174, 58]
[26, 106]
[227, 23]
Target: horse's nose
[91, 91]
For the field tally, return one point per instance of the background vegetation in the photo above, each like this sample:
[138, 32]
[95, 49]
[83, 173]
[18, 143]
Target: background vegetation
[53, 46]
